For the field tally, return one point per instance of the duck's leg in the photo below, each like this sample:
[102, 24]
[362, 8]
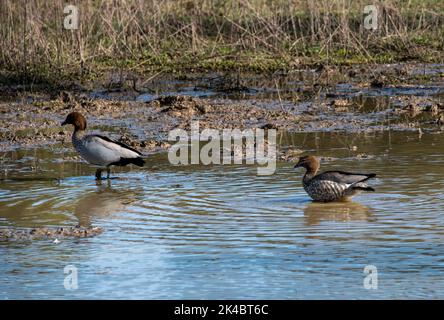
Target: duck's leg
[99, 174]
[108, 172]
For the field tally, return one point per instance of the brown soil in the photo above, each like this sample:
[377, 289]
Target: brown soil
[33, 120]
[48, 233]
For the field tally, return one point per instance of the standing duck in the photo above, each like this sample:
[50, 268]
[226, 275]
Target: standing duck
[331, 185]
[99, 150]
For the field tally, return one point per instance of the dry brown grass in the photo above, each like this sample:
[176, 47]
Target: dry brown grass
[259, 35]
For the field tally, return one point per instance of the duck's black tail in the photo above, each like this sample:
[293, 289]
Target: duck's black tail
[137, 161]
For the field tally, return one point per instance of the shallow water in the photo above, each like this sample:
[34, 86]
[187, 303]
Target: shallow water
[214, 232]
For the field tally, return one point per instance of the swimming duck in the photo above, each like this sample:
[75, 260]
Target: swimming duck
[331, 185]
[99, 150]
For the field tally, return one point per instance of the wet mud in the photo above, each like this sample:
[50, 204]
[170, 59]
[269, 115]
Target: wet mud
[46, 233]
[354, 99]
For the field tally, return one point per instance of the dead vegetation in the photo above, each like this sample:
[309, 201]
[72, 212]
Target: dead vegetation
[190, 35]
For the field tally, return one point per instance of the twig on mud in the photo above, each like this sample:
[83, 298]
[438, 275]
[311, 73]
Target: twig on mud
[280, 99]
[149, 79]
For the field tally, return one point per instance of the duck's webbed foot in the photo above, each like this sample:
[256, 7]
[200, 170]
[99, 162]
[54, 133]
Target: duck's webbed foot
[99, 174]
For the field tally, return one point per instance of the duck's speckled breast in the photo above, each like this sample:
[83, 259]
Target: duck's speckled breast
[324, 190]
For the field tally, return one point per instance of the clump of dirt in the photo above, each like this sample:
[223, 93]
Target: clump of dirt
[341, 105]
[153, 145]
[415, 106]
[379, 81]
[48, 233]
[289, 154]
[129, 140]
[181, 106]
[268, 126]
[362, 156]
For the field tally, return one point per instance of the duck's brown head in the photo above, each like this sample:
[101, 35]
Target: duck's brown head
[311, 163]
[77, 120]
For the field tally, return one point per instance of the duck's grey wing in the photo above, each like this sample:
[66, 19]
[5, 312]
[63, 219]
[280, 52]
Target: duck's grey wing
[112, 152]
[106, 149]
[344, 177]
[111, 142]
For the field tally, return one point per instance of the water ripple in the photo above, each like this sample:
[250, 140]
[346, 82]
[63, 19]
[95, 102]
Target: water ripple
[223, 232]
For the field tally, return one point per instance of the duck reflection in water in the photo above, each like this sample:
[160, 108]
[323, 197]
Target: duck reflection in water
[102, 203]
[315, 212]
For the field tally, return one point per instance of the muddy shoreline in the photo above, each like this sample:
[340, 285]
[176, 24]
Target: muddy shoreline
[44, 233]
[353, 99]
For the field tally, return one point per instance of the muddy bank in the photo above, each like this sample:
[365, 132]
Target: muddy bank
[328, 98]
[47, 233]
